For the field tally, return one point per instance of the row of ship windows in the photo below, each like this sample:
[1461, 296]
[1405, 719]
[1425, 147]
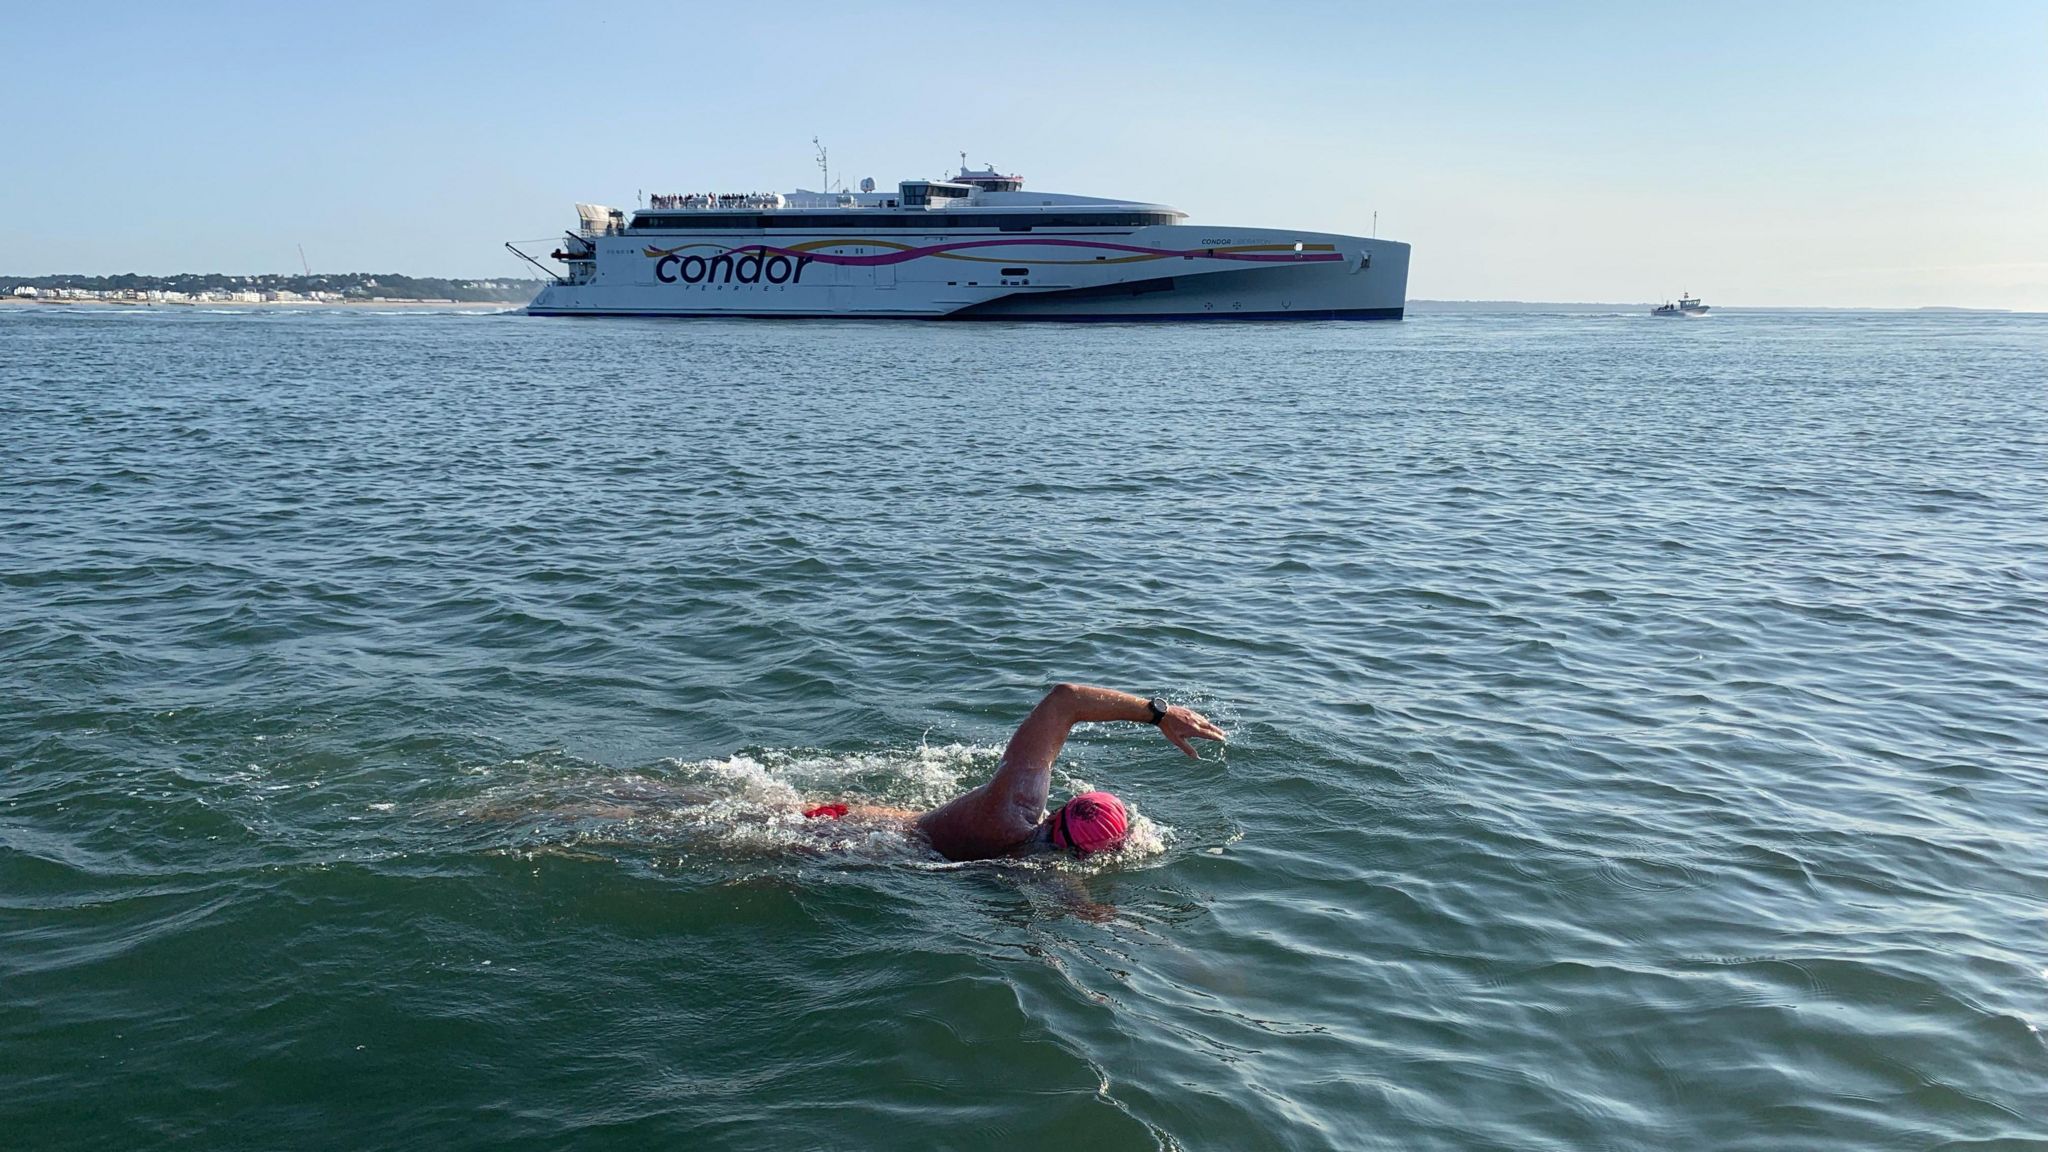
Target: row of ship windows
[905, 221]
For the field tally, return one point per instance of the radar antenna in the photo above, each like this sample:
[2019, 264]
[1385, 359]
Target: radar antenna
[824, 170]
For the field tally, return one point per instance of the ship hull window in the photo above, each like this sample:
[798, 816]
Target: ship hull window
[868, 220]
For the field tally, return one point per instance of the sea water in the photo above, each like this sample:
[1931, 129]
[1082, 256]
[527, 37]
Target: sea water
[1638, 732]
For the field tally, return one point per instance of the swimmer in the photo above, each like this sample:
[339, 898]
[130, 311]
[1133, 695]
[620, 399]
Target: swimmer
[1007, 816]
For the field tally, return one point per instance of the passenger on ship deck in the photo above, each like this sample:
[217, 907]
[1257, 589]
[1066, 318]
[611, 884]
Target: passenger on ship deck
[1006, 816]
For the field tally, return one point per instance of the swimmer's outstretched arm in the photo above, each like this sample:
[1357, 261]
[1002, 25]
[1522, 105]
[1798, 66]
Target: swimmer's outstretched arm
[1006, 811]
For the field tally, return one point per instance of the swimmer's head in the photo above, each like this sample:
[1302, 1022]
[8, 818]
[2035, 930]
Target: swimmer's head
[1090, 822]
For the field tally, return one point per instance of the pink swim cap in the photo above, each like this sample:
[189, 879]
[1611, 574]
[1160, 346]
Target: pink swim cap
[1090, 822]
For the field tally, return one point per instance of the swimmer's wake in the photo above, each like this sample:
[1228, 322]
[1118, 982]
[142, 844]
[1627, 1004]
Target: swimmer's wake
[868, 804]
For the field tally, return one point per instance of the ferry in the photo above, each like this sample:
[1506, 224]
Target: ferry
[977, 246]
[1687, 306]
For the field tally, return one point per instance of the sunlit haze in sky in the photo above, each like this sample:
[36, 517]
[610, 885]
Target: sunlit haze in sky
[1864, 154]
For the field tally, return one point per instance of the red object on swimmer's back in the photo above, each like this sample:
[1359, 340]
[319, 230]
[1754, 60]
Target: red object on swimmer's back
[829, 811]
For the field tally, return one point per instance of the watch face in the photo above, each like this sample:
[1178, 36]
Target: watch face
[1158, 706]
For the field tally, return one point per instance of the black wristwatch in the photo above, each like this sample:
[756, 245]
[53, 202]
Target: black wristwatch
[1158, 706]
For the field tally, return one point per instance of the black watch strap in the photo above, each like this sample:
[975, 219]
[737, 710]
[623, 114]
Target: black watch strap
[1158, 706]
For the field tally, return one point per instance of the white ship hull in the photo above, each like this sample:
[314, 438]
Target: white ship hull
[1160, 272]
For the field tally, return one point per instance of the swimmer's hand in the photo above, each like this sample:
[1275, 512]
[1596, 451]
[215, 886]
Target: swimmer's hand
[1181, 724]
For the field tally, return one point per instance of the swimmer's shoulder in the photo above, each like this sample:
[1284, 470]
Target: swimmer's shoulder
[1039, 843]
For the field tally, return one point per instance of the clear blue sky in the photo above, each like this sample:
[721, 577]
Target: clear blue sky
[1782, 153]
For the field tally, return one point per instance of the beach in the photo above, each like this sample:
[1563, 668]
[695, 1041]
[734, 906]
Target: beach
[441, 305]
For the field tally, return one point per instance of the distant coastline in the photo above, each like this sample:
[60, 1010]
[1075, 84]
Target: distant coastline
[211, 288]
[389, 290]
[14, 304]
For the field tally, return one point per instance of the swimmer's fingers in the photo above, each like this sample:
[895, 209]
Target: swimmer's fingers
[1187, 722]
[1181, 742]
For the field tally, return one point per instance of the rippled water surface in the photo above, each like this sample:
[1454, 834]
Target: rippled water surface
[1639, 732]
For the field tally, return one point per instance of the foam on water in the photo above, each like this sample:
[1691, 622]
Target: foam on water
[750, 804]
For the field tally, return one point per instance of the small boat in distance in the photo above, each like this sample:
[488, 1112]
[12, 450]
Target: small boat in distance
[1686, 306]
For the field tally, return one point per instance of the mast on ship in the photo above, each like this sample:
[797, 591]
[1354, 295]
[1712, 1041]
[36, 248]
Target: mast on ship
[824, 169]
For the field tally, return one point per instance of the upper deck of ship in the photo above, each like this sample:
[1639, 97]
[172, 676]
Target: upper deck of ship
[971, 200]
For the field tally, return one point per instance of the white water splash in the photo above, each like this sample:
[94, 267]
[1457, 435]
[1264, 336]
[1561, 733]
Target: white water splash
[751, 803]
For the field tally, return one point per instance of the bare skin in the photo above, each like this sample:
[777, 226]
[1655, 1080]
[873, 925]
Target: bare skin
[1008, 812]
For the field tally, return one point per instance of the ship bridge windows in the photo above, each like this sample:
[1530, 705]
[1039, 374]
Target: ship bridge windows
[919, 193]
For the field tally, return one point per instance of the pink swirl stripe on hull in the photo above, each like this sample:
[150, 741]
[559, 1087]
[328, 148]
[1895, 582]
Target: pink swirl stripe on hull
[812, 250]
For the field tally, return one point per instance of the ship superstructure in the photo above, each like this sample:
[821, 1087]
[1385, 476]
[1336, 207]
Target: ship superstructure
[976, 246]
[1688, 307]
